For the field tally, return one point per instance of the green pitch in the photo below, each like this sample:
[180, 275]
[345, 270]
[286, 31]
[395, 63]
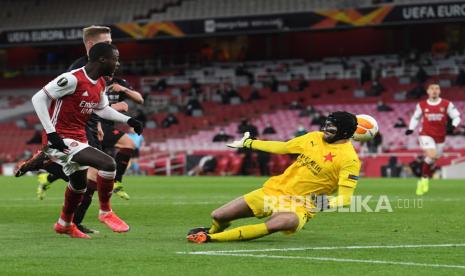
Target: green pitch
[428, 240]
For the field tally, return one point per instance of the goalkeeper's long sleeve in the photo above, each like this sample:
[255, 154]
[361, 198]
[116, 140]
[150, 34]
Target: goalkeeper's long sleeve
[295, 145]
[343, 198]
[270, 146]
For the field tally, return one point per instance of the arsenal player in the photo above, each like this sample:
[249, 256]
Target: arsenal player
[118, 91]
[74, 97]
[433, 114]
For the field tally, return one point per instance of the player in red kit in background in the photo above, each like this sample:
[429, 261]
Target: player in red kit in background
[433, 114]
[74, 96]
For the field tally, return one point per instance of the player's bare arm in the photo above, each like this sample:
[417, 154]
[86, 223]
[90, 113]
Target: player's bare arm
[131, 94]
[120, 106]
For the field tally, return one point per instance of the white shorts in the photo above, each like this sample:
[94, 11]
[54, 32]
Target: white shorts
[64, 159]
[427, 142]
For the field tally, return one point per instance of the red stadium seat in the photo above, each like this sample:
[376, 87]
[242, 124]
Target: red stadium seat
[235, 164]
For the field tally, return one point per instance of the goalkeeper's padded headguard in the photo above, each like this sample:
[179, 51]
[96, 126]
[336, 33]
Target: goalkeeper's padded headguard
[345, 122]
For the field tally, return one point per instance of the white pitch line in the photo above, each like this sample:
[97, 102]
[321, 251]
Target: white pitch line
[351, 247]
[341, 260]
[220, 200]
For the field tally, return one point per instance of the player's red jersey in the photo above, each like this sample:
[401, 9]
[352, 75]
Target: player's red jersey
[434, 119]
[74, 97]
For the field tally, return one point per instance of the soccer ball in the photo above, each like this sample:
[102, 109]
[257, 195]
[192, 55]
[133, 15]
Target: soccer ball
[366, 129]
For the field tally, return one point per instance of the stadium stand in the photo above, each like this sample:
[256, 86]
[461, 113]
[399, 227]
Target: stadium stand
[226, 8]
[166, 152]
[286, 123]
[196, 9]
[18, 15]
[330, 84]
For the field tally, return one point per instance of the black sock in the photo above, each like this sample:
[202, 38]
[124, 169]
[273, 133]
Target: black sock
[81, 210]
[52, 178]
[56, 172]
[122, 160]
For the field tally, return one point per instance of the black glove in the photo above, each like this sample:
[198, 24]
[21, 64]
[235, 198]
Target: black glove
[137, 125]
[408, 132]
[56, 142]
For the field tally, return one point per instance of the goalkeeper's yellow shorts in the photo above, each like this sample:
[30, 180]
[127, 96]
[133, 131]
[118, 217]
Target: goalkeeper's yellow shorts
[264, 205]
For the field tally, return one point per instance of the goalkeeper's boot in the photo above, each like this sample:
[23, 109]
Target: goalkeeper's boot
[197, 230]
[44, 185]
[118, 189]
[425, 184]
[113, 222]
[86, 230]
[35, 163]
[70, 230]
[200, 237]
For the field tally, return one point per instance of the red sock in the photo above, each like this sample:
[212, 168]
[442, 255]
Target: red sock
[72, 200]
[91, 184]
[426, 170]
[105, 182]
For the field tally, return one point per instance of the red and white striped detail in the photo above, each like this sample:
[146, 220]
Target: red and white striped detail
[48, 94]
[56, 111]
[107, 174]
[75, 190]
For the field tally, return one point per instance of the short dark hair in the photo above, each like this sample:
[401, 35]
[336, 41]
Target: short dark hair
[101, 50]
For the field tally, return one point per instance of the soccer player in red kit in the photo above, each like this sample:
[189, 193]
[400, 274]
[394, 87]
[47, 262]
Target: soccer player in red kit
[74, 97]
[433, 115]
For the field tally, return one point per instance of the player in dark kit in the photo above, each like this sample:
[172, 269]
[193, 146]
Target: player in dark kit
[115, 142]
[74, 97]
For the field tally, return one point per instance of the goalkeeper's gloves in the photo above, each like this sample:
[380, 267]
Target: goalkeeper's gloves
[56, 142]
[408, 132]
[137, 125]
[245, 142]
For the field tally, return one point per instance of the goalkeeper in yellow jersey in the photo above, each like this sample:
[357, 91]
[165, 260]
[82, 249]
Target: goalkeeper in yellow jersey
[327, 163]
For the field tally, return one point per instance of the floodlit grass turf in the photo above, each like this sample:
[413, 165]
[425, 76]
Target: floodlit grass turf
[161, 210]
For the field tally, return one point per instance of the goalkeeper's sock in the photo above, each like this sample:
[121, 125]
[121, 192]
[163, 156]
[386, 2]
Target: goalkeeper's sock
[52, 178]
[246, 232]
[218, 226]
